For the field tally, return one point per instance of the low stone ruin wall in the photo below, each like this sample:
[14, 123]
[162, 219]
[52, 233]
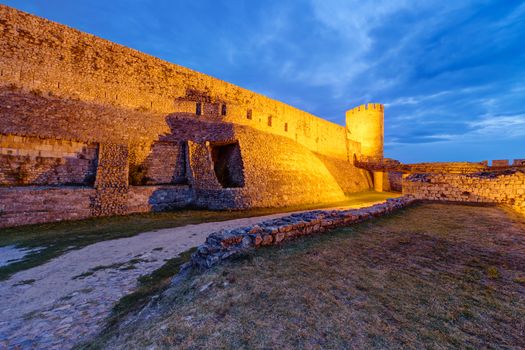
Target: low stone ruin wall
[502, 187]
[32, 204]
[26, 205]
[227, 243]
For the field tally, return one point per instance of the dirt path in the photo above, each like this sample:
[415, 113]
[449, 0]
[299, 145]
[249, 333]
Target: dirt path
[59, 303]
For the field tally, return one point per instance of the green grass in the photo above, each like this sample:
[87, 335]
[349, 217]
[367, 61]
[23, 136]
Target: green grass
[437, 276]
[58, 238]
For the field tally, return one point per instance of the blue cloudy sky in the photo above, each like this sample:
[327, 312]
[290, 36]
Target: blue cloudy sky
[451, 73]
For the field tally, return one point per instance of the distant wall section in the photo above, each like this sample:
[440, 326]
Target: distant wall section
[504, 187]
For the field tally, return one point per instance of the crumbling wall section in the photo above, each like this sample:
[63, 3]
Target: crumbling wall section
[46, 161]
[503, 187]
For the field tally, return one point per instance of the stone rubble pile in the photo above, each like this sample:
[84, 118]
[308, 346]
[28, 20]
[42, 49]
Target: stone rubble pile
[224, 244]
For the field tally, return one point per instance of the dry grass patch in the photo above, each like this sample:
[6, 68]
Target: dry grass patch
[432, 276]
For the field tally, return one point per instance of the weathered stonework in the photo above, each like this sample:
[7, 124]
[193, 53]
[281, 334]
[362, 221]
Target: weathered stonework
[224, 244]
[502, 187]
[32, 205]
[161, 125]
[143, 199]
[36, 161]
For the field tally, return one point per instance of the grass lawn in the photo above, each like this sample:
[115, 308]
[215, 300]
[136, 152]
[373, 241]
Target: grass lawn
[58, 238]
[434, 276]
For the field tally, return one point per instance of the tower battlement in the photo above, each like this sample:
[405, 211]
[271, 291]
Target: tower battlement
[367, 106]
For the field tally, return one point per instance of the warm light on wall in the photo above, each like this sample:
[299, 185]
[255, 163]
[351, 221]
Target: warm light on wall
[365, 124]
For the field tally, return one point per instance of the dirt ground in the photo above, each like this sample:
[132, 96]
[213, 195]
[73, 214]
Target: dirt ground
[434, 276]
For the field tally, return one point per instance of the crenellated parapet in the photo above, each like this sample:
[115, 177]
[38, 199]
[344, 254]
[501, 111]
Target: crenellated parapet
[365, 107]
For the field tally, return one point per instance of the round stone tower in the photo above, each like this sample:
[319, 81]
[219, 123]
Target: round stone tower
[365, 124]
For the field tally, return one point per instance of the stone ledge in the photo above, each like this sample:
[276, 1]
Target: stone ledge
[224, 244]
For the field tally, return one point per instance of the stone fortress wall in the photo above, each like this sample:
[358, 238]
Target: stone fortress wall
[41, 55]
[117, 131]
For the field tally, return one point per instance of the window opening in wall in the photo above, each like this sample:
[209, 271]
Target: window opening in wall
[227, 164]
[223, 109]
[165, 164]
[249, 114]
[286, 127]
[198, 108]
[270, 121]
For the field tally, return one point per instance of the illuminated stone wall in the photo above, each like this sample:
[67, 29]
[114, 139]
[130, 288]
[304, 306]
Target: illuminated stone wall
[503, 187]
[155, 126]
[32, 205]
[48, 57]
[365, 124]
[37, 161]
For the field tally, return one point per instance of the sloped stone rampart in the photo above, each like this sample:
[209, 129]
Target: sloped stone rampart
[224, 244]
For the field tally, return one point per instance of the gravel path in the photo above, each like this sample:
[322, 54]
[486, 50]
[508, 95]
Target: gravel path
[66, 300]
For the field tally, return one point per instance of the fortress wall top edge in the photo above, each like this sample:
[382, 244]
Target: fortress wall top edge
[42, 55]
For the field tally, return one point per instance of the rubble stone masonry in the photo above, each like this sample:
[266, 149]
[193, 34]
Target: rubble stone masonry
[503, 187]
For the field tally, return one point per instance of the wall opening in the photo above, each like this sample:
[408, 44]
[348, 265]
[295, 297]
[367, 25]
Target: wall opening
[165, 164]
[286, 127]
[249, 114]
[270, 121]
[198, 108]
[227, 164]
[223, 109]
